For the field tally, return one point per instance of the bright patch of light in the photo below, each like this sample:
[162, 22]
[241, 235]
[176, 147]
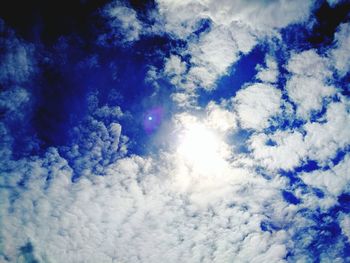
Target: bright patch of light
[201, 148]
[150, 118]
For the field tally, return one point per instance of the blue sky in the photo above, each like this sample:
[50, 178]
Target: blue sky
[178, 131]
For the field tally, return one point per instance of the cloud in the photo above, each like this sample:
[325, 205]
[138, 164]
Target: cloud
[324, 139]
[270, 73]
[340, 54]
[94, 200]
[233, 31]
[16, 61]
[181, 17]
[174, 68]
[307, 85]
[220, 118]
[12, 100]
[334, 181]
[287, 151]
[255, 104]
[100, 218]
[18, 67]
[345, 224]
[211, 58]
[123, 23]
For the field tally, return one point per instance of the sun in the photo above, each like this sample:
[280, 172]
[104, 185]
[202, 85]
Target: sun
[201, 147]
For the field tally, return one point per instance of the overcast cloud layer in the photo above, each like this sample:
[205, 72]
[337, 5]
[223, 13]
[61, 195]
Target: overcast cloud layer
[97, 106]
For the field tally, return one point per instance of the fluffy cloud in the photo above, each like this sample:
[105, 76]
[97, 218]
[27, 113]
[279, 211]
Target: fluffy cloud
[268, 74]
[213, 54]
[93, 200]
[345, 224]
[16, 59]
[255, 104]
[123, 24]
[220, 118]
[335, 180]
[286, 151]
[181, 17]
[174, 69]
[137, 203]
[325, 139]
[340, 54]
[233, 31]
[307, 86]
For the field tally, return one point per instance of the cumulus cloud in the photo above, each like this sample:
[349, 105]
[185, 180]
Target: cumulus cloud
[16, 59]
[269, 73]
[100, 218]
[345, 224]
[211, 57]
[123, 24]
[307, 86]
[286, 152]
[340, 54]
[325, 139]
[221, 118]
[335, 180]
[255, 104]
[93, 200]
[321, 141]
[180, 17]
[174, 69]
[233, 31]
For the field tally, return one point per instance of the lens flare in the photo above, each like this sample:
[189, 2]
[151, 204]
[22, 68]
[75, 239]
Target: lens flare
[153, 119]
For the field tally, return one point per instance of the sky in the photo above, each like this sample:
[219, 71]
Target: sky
[175, 131]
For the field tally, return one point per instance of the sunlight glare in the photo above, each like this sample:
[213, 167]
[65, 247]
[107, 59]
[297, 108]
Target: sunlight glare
[200, 147]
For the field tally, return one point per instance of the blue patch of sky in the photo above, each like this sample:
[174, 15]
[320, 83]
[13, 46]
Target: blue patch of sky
[203, 26]
[340, 155]
[322, 235]
[289, 197]
[324, 21]
[283, 123]
[239, 140]
[269, 226]
[343, 84]
[239, 73]
[72, 78]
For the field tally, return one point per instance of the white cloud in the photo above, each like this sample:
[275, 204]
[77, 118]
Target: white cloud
[307, 87]
[255, 104]
[17, 64]
[187, 99]
[341, 53]
[130, 208]
[308, 94]
[334, 181]
[135, 205]
[309, 64]
[344, 220]
[323, 140]
[159, 207]
[320, 142]
[174, 69]
[181, 16]
[270, 73]
[13, 100]
[211, 57]
[235, 29]
[220, 118]
[286, 154]
[123, 24]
